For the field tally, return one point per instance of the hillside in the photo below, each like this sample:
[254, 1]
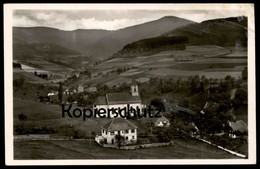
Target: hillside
[78, 40]
[23, 50]
[117, 39]
[153, 45]
[223, 32]
[98, 43]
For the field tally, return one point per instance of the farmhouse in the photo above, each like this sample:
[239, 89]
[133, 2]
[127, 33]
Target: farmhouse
[239, 128]
[120, 100]
[161, 122]
[156, 122]
[118, 126]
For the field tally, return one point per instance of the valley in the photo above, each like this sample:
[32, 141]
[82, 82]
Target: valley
[180, 64]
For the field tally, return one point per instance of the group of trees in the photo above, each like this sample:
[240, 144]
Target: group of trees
[160, 86]
[121, 70]
[85, 73]
[41, 75]
[17, 65]
[158, 43]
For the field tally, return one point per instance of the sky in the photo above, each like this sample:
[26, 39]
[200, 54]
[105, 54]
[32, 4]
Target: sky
[108, 19]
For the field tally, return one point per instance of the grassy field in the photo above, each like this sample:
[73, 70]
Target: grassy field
[28, 77]
[194, 60]
[85, 149]
[50, 116]
[47, 115]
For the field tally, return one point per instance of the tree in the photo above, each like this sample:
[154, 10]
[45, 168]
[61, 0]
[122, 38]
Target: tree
[186, 102]
[240, 97]
[22, 117]
[161, 86]
[18, 82]
[60, 93]
[178, 83]
[244, 74]
[158, 103]
[119, 140]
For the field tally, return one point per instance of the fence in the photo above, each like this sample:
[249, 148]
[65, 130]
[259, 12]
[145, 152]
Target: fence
[222, 148]
[138, 146]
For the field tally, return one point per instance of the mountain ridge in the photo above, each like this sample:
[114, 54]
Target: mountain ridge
[98, 43]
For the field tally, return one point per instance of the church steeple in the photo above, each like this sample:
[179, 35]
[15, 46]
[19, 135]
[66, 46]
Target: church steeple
[134, 88]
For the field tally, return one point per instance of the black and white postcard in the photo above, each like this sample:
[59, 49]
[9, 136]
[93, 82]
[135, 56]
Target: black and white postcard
[129, 84]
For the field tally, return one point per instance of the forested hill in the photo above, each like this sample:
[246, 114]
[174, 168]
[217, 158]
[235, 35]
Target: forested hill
[152, 45]
[225, 32]
[222, 32]
[98, 43]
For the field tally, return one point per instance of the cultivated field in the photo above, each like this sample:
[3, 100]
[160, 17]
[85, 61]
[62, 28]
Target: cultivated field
[206, 60]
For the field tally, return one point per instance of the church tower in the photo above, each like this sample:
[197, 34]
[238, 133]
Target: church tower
[134, 88]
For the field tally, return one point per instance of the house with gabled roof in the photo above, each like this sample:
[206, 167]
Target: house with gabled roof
[238, 128]
[118, 126]
[156, 122]
[120, 100]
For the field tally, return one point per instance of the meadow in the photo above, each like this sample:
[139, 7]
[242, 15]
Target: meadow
[207, 60]
[183, 148]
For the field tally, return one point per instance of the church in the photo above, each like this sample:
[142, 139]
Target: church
[120, 100]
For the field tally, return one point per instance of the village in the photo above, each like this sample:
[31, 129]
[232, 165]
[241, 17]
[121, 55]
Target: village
[87, 93]
[174, 121]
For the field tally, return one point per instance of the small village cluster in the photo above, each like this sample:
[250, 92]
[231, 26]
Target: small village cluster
[121, 127]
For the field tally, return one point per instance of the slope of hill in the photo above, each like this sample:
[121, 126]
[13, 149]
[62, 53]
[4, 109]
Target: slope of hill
[153, 45]
[225, 32]
[117, 39]
[78, 40]
[98, 43]
[222, 32]
[22, 49]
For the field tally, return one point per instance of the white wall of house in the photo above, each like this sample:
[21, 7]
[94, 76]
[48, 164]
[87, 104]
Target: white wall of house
[130, 135]
[162, 123]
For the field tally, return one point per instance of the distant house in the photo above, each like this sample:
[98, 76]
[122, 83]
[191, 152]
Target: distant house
[161, 122]
[120, 100]
[118, 126]
[238, 128]
[80, 89]
[66, 92]
[52, 93]
[157, 122]
[91, 89]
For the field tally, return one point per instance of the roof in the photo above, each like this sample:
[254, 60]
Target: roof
[122, 98]
[117, 124]
[238, 126]
[156, 119]
[134, 83]
[101, 100]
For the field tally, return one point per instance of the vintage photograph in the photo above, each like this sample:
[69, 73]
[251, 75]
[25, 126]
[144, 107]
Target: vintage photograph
[126, 83]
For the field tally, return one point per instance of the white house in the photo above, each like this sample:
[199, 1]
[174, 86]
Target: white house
[118, 126]
[52, 93]
[120, 100]
[80, 88]
[156, 122]
[161, 122]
